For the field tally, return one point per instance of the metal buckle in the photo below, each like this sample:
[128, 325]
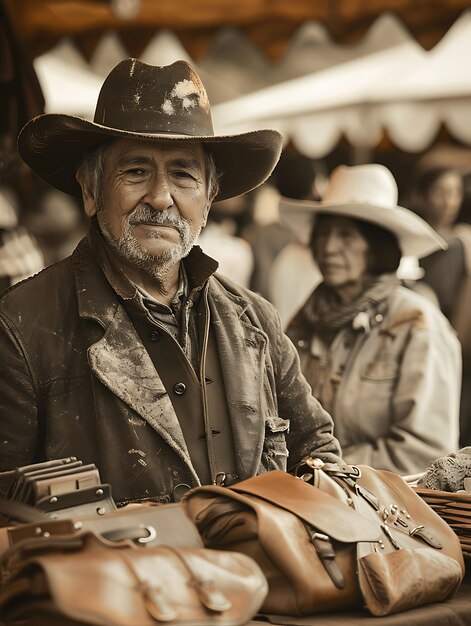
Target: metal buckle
[220, 479]
[152, 534]
[415, 530]
[357, 473]
[314, 463]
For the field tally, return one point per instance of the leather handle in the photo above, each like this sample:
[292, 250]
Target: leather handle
[19, 512]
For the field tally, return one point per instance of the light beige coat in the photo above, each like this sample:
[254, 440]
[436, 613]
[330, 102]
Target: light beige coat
[393, 389]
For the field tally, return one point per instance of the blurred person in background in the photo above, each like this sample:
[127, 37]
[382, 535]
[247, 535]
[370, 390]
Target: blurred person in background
[220, 239]
[382, 359]
[293, 177]
[20, 256]
[293, 272]
[437, 196]
[58, 223]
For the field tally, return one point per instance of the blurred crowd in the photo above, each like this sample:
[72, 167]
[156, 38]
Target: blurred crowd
[256, 246]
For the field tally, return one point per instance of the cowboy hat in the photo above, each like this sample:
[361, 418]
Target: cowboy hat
[154, 103]
[368, 193]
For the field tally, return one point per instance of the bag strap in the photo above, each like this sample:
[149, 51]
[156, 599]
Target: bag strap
[156, 602]
[48, 542]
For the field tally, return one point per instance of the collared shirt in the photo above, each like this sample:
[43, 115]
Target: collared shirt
[168, 315]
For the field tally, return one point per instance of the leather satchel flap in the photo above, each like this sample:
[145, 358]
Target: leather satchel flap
[121, 586]
[321, 510]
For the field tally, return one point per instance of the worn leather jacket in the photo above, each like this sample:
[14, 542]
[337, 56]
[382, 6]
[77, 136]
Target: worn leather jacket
[76, 380]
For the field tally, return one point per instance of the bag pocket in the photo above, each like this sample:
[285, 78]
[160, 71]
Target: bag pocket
[405, 579]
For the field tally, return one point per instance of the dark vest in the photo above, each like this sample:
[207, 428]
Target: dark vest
[190, 391]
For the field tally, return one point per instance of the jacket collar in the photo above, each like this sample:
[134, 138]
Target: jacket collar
[99, 277]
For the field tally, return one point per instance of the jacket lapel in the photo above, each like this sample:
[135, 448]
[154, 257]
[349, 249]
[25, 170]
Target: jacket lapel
[242, 348]
[120, 361]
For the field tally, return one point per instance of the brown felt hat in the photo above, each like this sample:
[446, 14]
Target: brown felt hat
[147, 102]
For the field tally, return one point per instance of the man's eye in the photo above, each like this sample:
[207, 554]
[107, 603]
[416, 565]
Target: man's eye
[135, 171]
[182, 174]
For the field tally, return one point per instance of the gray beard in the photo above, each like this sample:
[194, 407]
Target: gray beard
[129, 249]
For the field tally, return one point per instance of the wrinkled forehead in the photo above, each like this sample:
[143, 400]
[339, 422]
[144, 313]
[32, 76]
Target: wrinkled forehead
[156, 150]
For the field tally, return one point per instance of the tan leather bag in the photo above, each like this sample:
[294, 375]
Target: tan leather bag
[87, 579]
[354, 537]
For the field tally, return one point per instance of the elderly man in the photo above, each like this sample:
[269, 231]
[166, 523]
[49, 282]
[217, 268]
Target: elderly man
[132, 353]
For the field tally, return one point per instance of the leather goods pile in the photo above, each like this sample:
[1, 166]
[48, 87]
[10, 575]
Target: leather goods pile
[336, 537]
[92, 565]
[330, 538]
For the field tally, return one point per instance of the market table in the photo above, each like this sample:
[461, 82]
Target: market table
[455, 612]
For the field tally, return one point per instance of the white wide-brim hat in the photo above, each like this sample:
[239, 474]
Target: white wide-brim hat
[368, 193]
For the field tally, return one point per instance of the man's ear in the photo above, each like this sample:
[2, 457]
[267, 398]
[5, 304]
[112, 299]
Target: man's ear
[206, 212]
[89, 202]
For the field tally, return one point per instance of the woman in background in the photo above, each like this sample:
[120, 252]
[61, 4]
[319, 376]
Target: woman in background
[380, 358]
[437, 198]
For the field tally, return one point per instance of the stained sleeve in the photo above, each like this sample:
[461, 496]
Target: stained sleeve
[18, 404]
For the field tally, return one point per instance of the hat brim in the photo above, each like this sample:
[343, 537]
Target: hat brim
[415, 236]
[54, 144]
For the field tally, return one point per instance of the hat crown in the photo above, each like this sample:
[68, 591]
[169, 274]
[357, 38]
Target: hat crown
[142, 98]
[362, 184]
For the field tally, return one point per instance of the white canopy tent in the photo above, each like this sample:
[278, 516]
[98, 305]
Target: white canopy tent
[315, 110]
[68, 84]
[71, 85]
[436, 92]
[401, 89]
[386, 82]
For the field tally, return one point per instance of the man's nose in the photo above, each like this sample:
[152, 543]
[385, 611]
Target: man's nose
[159, 193]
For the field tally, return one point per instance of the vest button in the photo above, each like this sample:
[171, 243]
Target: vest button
[179, 491]
[179, 388]
[154, 335]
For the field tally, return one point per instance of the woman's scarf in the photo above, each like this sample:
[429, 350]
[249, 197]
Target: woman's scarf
[324, 312]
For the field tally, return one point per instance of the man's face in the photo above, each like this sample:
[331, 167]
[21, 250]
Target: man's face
[154, 201]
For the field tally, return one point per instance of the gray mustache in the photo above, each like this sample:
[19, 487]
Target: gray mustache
[144, 214]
